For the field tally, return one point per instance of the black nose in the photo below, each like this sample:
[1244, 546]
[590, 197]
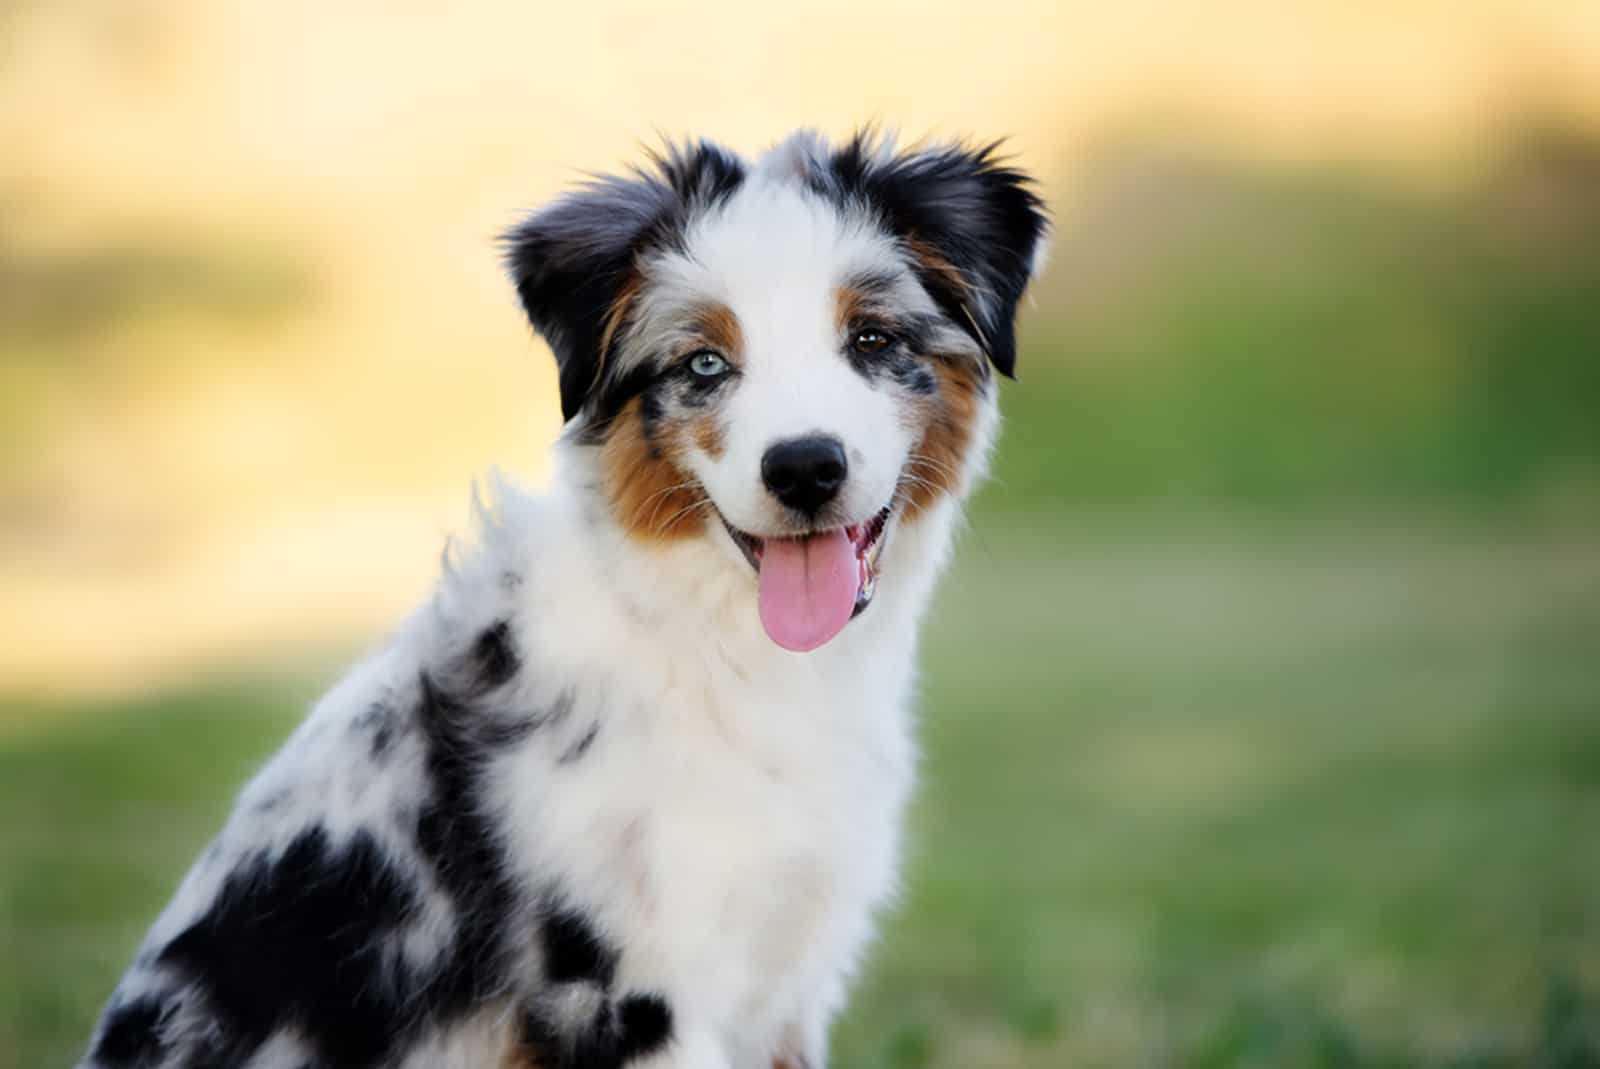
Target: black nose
[805, 473]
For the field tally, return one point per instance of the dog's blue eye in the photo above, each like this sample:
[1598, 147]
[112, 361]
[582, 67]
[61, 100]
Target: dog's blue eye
[707, 364]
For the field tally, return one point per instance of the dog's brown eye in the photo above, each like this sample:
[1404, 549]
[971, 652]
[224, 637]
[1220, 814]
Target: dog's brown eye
[868, 342]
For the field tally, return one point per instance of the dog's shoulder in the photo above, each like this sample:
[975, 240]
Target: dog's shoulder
[357, 887]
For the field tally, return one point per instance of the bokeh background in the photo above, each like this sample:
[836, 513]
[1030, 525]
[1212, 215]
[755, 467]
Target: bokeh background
[1262, 709]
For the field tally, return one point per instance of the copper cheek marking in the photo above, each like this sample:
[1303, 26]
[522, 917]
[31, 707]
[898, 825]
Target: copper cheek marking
[650, 493]
[719, 327]
[707, 434]
[939, 458]
[645, 476]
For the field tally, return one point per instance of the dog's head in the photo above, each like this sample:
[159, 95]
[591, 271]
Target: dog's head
[792, 356]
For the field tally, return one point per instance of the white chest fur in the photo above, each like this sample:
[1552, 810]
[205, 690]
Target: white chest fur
[733, 821]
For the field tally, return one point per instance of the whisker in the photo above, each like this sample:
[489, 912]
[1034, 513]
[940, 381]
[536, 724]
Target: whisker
[686, 484]
[699, 502]
[660, 497]
[910, 481]
[938, 466]
[917, 480]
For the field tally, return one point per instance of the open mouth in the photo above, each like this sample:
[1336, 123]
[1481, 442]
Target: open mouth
[810, 586]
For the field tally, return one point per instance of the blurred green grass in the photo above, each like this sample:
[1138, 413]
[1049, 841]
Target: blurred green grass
[1321, 797]
[1193, 797]
[1210, 335]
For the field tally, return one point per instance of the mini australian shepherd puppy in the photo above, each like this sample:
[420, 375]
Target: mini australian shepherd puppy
[628, 789]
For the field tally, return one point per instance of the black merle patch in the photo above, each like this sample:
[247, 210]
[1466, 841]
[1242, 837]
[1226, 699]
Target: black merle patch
[271, 802]
[457, 838]
[646, 1025]
[132, 1035]
[904, 365]
[913, 374]
[382, 739]
[305, 939]
[559, 709]
[643, 381]
[635, 1027]
[574, 951]
[618, 1032]
[495, 655]
[655, 383]
[454, 833]
[297, 940]
[574, 753]
[382, 721]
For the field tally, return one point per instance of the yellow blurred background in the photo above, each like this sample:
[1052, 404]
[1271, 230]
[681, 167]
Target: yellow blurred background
[260, 342]
[1262, 707]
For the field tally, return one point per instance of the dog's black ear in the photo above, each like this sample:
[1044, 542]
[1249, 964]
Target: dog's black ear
[573, 261]
[973, 225]
[570, 261]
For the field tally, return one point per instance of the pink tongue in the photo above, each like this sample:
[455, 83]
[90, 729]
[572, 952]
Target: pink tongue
[807, 588]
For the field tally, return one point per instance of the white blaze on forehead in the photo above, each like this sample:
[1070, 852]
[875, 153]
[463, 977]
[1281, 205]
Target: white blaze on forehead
[778, 233]
[776, 254]
[773, 252]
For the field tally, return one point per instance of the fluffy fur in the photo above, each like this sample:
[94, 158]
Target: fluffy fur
[581, 812]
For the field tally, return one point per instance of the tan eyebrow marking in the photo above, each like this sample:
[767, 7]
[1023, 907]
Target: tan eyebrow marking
[939, 461]
[936, 264]
[858, 299]
[719, 327]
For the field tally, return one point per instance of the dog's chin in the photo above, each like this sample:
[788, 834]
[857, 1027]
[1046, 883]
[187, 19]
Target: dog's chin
[858, 546]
